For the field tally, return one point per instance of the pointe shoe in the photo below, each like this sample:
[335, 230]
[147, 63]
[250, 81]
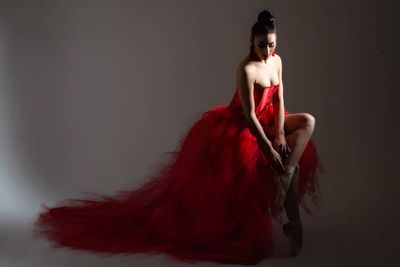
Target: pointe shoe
[294, 231]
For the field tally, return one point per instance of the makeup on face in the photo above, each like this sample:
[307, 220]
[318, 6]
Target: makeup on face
[265, 45]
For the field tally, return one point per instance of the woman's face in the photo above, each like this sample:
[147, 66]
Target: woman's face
[264, 45]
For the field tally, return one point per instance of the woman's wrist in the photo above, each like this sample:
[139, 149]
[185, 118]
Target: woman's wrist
[265, 144]
[280, 132]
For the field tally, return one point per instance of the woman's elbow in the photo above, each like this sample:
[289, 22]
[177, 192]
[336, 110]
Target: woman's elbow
[250, 116]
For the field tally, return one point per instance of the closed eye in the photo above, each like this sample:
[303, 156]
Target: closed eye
[263, 45]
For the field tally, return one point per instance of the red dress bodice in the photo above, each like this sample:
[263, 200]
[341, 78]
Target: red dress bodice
[262, 100]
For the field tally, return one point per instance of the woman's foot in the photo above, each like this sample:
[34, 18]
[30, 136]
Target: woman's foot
[294, 231]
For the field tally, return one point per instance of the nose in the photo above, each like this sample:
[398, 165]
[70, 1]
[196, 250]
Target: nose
[267, 49]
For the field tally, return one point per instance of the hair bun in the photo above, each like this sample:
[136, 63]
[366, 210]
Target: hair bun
[266, 18]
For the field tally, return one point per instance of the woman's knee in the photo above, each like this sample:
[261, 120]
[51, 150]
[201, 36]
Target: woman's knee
[309, 121]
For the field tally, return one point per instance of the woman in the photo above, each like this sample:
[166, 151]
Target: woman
[238, 167]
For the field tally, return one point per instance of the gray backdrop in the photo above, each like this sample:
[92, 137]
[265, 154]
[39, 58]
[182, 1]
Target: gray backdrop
[93, 92]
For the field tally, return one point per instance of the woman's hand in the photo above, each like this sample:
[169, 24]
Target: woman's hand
[275, 160]
[281, 145]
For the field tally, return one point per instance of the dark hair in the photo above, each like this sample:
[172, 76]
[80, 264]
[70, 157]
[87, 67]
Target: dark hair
[265, 24]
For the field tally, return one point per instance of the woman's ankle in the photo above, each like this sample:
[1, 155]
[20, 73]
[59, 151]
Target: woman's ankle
[290, 170]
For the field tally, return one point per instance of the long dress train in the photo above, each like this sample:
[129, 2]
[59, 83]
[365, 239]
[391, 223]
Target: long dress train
[213, 200]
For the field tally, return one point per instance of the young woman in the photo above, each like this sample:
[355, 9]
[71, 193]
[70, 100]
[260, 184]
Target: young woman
[238, 167]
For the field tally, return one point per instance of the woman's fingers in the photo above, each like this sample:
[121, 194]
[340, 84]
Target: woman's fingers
[280, 167]
[287, 150]
[282, 150]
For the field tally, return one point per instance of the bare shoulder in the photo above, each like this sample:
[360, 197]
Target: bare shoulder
[245, 67]
[245, 73]
[278, 60]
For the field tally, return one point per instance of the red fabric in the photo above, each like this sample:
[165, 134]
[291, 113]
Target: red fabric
[212, 201]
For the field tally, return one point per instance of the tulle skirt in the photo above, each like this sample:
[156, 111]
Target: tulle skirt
[212, 200]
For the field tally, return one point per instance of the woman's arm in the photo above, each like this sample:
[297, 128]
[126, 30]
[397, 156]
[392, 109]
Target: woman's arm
[246, 89]
[278, 104]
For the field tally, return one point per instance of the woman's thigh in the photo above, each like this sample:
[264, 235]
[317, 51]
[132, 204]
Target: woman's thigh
[292, 122]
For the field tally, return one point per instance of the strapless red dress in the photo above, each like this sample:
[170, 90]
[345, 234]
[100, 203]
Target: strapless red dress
[213, 200]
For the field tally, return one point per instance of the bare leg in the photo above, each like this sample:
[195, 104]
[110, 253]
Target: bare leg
[293, 230]
[300, 126]
[291, 203]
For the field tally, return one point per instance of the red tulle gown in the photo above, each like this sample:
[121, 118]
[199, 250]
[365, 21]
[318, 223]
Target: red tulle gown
[213, 200]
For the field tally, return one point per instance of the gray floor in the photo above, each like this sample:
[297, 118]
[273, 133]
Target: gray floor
[367, 243]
